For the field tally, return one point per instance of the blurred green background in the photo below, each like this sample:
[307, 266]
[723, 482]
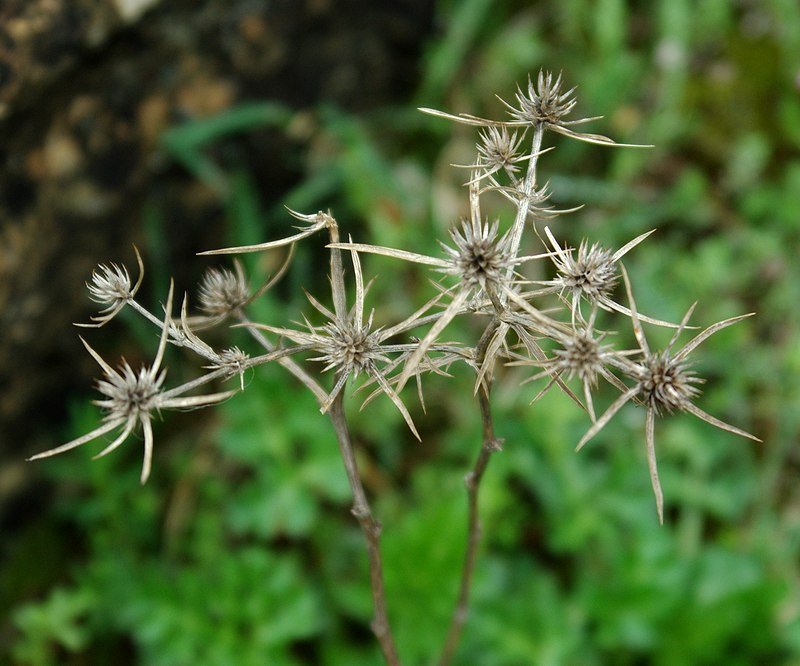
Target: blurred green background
[241, 549]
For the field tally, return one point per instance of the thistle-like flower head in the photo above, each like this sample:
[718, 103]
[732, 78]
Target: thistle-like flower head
[580, 355]
[499, 149]
[543, 106]
[544, 102]
[223, 291]
[667, 383]
[592, 274]
[129, 394]
[347, 343]
[233, 361]
[480, 258]
[111, 285]
[349, 348]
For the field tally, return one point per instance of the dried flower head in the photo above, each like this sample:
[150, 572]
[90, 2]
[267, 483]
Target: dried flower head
[347, 343]
[130, 395]
[234, 361]
[111, 286]
[592, 275]
[349, 348]
[544, 106]
[480, 258]
[544, 103]
[499, 149]
[223, 291]
[667, 383]
[580, 353]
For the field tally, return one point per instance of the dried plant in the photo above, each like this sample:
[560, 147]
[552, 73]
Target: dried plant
[131, 397]
[550, 325]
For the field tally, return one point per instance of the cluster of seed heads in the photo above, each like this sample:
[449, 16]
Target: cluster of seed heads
[480, 272]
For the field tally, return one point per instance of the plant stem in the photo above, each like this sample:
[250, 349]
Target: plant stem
[472, 481]
[526, 190]
[288, 363]
[372, 531]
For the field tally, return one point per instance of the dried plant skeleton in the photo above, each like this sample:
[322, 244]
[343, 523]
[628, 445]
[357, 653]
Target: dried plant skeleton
[550, 325]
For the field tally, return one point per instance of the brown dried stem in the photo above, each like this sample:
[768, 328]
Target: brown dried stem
[472, 480]
[372, 531]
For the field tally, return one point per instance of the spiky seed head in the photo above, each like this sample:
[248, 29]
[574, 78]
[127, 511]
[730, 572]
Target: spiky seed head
[233, 358]
[110, 285]
[222, 291]
[479, 258]
[592, 275]
[498, 149]
[667, 385]
[234, 361]
[129, 394]
[350, 348]
[581, 355]
[544, 102]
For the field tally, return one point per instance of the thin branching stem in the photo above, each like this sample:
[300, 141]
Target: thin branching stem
[472, 480]
[527, 190]
[290, 364]
[372, 532]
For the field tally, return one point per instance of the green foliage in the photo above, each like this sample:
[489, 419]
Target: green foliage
[185, 143]
[206, 612]
[57, 621]
[241, 548]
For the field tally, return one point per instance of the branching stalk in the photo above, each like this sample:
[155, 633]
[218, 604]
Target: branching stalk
[290, 364]
[526, 191]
